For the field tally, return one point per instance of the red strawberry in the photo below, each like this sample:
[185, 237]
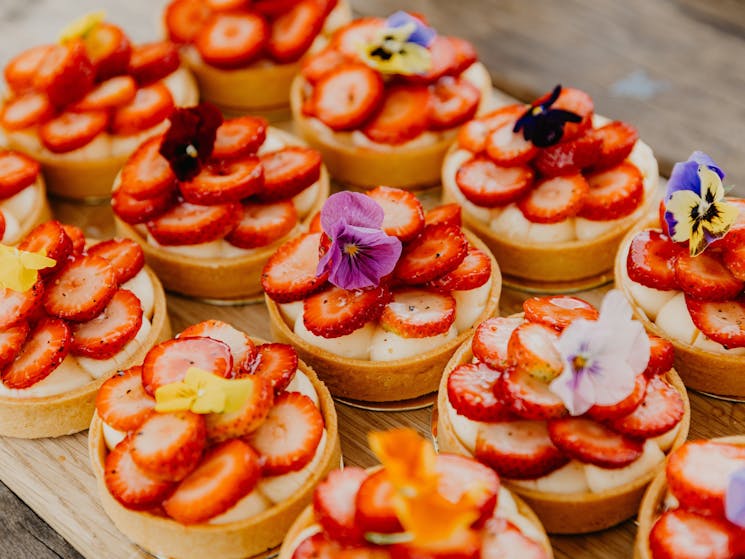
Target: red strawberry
[277, 363]
[76, 236]
[168, 361]
[334, 504]
[147, 174]
[184, 19]
[151, 105]
[105, 335]
[518, 449]
[404, 216]
[580, 103]
[20, 72]
[125, 256]
[592, 443]
[722, 321]
[336, 312]
[168, 446]
[618, 139]
[11, 341]
[651, 260]
[81, 289]
[734, 259]
[347, 96]
[50, 239]
[251, 415]
[70, 131]
[263, 223]
[465, 54]
[614, 192]
[65, 73]
[239, 137]
[287, 440]
[26, 110]
[133, 211]
[438, 250]
[625, 406]
[461, 544]
[503, 540]
[151, 62]
[554, 200]
[122, 402]
[241, 345]
[569, 157]
[289, 171]
[472, 136]
[454, 101]
[17, 171]
[16, 305]
[108, 49]
[114, 92]
[444, 61]
[660, 411]
[319, 546]
[661, 354]
[315, 224]
[293, 32]
[374, 505]
[490, 341]
[487, 184]
[45, 348]
[290, 273]
[445, 214]
[192, 224]
[321, 64]
[508, 148]
[471, 393]
[226, 5]
[227, 473]
[129, 484]
[348, 39]
[473, 272]
[528, 396]
[706, 277]
[226, 181]
[459, 475]
[679, 534]
[232, 40]
[532, 349]
[558, 311]
[418, 313]
[402, 116]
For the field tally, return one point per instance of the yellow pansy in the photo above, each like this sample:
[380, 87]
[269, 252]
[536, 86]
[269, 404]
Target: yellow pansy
[79, 28]
[203, 392]
[19, 269]
[391, 52]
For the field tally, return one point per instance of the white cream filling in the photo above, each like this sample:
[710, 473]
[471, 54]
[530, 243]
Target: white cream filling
[19, 207]
[354, 346]
[252, 504]
[12, 233]
[469, 305]
[387, 346]
[302, 384]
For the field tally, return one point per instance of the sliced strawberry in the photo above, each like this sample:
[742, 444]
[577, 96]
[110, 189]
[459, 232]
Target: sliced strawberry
[168, 446]
[532, 348]
[239, 137]
[277, 363]
[271, 8]
[418, 313]
[225, 5]
[460, 475]
[473, 272]
[558, 311]
[227, 473]
[114, 92]
[402, 115]
[660, 411]
[70, 131]
[491, 339]
[289, 171]
[528, 396]
[679, 534]
[108, 49]
[315, 224]
[81, 289]
[508, 148]
[240, 344]
[151, 62]
[128, 483]
[26, 110]
[319, 546]
[445, 214]
[460, 544]
[625, 406]
[487, 184]
[336, 312]
[734, 259]
[20, 71]
[151, 105]
[465, 54]
[287, 440]
[661, 354]
[454, 101]
[65, 73]
[347, 96]
[133, 211]
[232, 40]
[17, 171]
[617, 140]
[11, 341]
[472, 136]
[50, 239]
[122, 402]
[16, 305]
[722, 321]
[184, 19]
[147, 174]
[374, 510]
[225, 181]
[554, 200]
[438, 250]
[518, 449]
[125, 256]
[569, 157]
[105, 335]
[44, 349]
[263, 223]
[192, 224]
[471, 393]
[592, 443]
[504, 540]
[579, 103]
[293, 32]
[243, 421]
[76, 236]
[348, 39]
[404, 216]
[290, 273]
[321, 64]
[706, 277]
[614, 192]
[334, 504]
[651, 260]
[444, 62]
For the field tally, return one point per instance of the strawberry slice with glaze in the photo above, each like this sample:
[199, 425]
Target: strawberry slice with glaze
[418, 313]
[508, 148]
[558, 311]
[108, 49]
[19, 305]
[17, 171]
[133, 211]
[459, 475]
[532, 348]
[578, 102]
[147, 174]
[11, 341]
[111, 94]
[569, 157]
[334, 504]
[625, 406]
[77, 237]
[50, 239]
[444, 214]
[680, 534]
[225, 181]
[184, 19]
[471, 393]
[722, 321]
[374, 505]
[20, 71]
[105, 335]
[81, 289]
[26, 110]
[151, 62]
[473, 272]
[232, 40]
[734, 259]
[617, 141]
[403, 115]
[486, 184]
[70, 131]
[528, 396]
[65, 73]
[554, 200]
[240, 344]
[321, 64]
[125, 256]
[651, 260]
[403, 213]
[293, 32]
[438, 250]
[454, 101]
[465, 55]
[359, 32]
[122, 402]
[661, 356]
[263, 223]
[290, 273]
[472, 135]
[706, 277]
[592, 443]
[336, 312]
[192, 224]
[661, 410]
[503, 540]
[491, 339]
[444, 62]
[245, 420]
[239, 137]
[614, 193]
[277, 363]
[289, 171]
[151, 105]
[44, 349]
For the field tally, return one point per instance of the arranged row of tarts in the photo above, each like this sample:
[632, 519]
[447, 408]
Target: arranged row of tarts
[215, 442]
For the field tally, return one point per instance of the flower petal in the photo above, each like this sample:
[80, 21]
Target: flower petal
[684, 177]
[352, 208]
[420, 34]
[703, 159]
[712, 189]
[682, 205]
[734, 499]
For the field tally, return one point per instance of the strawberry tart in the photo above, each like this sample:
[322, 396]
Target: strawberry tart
[384, 100]
[686, 278]
[695, 509]
[212, 447]
[23, 198]
[573, 408]
[210, 201]
[72, 312]
[244, 54]
[80, 107]
[551, 188]
[418, 505]
[378, 295]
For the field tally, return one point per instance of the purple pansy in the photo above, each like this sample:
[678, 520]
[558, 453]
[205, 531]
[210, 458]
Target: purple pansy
[734, 498]
[422, 35]
[361, 253]
[543, 125]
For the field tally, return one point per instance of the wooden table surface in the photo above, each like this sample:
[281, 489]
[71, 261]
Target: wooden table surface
[675, 69]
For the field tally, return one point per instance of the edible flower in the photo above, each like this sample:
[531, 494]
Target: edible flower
[361, 253]
[542, 124]
[734, 498]
[203, 392]
[601, 358]
[189, 141]
[695, 208]
[19, 269]
[400, 47]
[79, 28]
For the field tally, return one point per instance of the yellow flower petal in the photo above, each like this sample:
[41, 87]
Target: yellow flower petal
[177, 396]
[712, 189]
[18, 269]
[402, 57]
[724, 216]
[408, 459]
[431, 517]
[682, 204]
[81, 26]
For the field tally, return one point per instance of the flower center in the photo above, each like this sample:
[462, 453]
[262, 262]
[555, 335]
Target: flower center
[579, 362]
[191, 151]
[351, 249]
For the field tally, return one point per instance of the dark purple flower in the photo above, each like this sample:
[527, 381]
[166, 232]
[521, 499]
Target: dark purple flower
[189, 141]
[543, 125]
[422, 34]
